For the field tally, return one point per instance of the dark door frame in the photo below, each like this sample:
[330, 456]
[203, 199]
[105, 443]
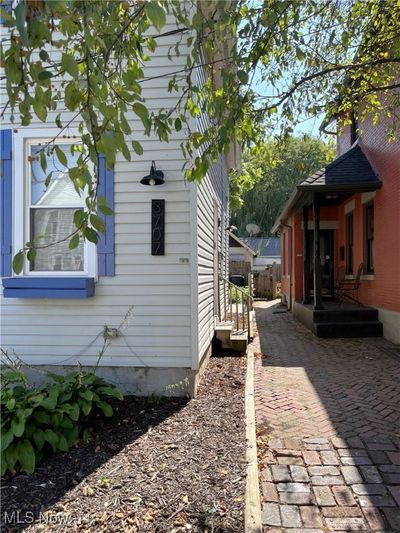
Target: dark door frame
[328, 265]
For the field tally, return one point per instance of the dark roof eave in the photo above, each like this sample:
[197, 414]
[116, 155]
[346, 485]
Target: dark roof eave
[299, 198]
[242, 244]
[342, 187]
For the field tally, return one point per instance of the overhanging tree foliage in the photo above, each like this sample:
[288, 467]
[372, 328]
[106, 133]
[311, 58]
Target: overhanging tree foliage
[270, 173]
[269, 63]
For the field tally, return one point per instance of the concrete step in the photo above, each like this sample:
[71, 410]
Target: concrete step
[364, 328]
[231, 339]
[238, 341]
[361, 314]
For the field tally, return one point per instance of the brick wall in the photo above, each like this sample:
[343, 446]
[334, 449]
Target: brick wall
[384, 290]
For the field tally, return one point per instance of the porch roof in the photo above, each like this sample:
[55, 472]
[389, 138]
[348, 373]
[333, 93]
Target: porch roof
[352, 170]
[347, 174]
[235, 242]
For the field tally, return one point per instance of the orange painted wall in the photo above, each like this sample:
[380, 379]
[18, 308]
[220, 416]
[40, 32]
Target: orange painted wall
[384, 290]
[285, 282]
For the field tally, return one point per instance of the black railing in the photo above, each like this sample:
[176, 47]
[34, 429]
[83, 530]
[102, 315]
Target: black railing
[236, 303]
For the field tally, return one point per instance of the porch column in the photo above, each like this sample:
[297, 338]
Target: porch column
[317, 256]
[306, 258]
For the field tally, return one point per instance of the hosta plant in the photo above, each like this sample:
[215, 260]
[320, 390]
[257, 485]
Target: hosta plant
[55, 417]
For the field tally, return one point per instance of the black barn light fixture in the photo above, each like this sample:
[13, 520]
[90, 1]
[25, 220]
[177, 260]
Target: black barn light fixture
[156, 177]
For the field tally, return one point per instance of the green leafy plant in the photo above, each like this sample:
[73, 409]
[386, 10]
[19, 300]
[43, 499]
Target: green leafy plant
[239, 294]
[55, 417]
[262, 72]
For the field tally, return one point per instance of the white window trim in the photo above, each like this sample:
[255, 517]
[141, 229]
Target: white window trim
[21, 198]
[368, 277]
[367, 197]
[349, 207]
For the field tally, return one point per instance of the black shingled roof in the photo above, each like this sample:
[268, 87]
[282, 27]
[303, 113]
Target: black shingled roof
[350, 169]
[348, 174]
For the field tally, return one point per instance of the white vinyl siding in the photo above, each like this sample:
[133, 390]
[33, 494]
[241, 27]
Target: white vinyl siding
[212, 194]
[158, 333]
[172, 322]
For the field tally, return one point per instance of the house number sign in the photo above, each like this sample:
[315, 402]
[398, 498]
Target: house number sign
[157, 227]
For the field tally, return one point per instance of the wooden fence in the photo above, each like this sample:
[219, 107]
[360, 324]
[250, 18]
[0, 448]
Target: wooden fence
[239, 268]
[267, 282]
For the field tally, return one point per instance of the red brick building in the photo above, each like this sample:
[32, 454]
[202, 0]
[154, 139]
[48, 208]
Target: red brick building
[344, 218]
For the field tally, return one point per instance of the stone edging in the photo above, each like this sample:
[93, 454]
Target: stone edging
[252, 516]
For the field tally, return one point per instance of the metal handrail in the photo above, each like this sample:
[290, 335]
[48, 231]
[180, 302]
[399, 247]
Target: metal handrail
[239, 318]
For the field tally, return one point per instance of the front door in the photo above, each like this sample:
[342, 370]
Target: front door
[326, 243]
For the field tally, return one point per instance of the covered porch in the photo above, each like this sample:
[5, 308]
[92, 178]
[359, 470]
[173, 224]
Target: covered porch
[315, 216]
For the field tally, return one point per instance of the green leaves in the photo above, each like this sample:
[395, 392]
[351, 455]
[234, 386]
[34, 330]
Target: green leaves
[72, 96]
[6, 439]
[79, 217]
[18, 425]
[103, 207]
[39, 109]
[53, 418]
[178, 124]
[345, 37]
[45, 75]
[98, 223]
[61, 155]
[26, 456]
[69, 65]
[106, 408]
[51, 437]
[143, 113]
[74, 242]
[18, 262]
[270, 173]
[137, 147]
[155, 13]
[243, 76]
[44, 56]
[108, 148]
[294, 68]
[91, 235]
[39, 439]
[20, 18]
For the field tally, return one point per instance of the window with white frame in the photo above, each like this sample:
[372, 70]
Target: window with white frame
[44, 211]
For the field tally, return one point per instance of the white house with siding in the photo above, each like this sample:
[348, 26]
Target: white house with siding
[53, 314]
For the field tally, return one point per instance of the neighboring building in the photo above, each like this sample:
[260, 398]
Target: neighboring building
[53, 314]
[345, 215]
[241, 256]
[268, 251]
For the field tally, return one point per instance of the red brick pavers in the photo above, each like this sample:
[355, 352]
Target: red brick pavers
[328, 429]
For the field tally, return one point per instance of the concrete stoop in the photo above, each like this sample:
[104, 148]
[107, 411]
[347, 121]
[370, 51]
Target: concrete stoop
[231, 339]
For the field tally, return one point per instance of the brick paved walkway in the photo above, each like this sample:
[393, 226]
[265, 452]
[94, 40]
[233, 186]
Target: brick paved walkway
[328, 424]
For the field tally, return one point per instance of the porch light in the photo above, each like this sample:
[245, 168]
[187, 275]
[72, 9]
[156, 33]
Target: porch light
[156, 177]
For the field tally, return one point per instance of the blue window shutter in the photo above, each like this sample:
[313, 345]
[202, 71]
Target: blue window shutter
[6, 203]
[105, 246]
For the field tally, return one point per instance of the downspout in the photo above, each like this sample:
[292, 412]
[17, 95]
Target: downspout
[290, 262]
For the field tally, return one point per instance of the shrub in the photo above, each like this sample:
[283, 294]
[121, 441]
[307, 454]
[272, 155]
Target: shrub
[239, 294]
[36, 421]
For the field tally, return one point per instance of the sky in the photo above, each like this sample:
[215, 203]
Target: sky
[309, 126]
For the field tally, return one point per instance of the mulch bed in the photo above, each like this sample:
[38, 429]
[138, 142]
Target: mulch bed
[160, 465]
